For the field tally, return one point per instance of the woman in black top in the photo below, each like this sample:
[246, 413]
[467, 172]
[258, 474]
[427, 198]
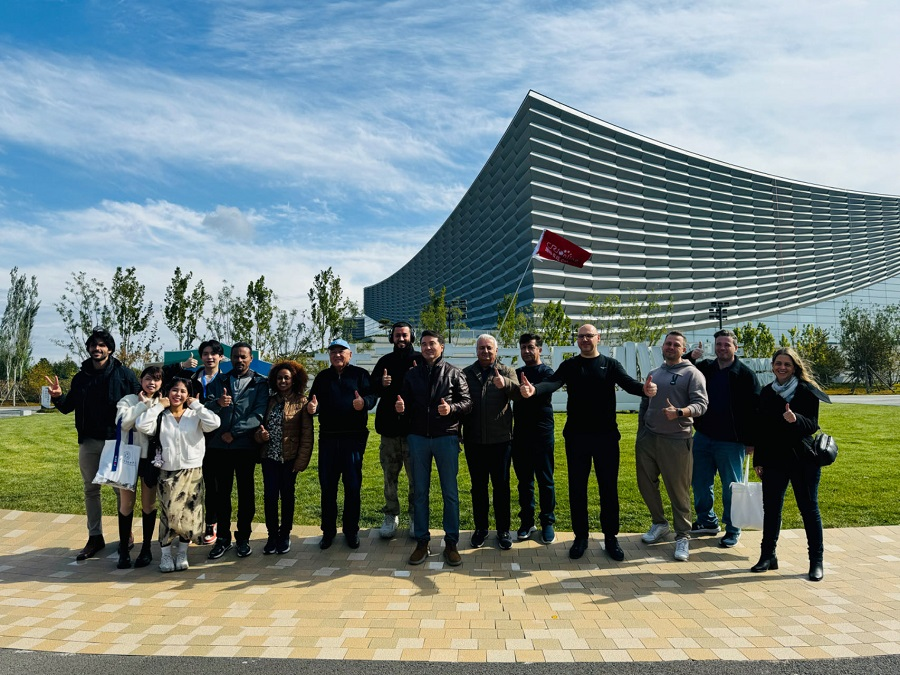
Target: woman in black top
[788, 412]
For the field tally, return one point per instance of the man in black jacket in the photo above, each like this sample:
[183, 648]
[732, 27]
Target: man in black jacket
[434, 397]
[723, 435]
[387, 380]
[487, 432]
[592, 434]
[93, 395]
[342, 396]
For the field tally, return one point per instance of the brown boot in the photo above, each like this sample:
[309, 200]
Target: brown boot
[451, 554]
[420, 554]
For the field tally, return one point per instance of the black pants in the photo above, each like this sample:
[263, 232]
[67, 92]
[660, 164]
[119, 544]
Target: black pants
[532, 458]
[279, 481]
[804, 478]
[210, 482]
[489, 462]
[603, 450]
[228, 466]
[340, 460]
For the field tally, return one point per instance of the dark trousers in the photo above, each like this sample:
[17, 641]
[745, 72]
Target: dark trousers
[532, 458]
[603, 450]
[228, 466]
[489, 462]
[804, 478]
[340, 460]
[211, 500]
[279, 480]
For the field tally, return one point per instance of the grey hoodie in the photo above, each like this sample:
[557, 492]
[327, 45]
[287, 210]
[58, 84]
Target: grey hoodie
[682, 385]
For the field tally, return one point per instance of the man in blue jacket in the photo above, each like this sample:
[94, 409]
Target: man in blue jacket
[95, 390]
[342, 396]
[241, 406]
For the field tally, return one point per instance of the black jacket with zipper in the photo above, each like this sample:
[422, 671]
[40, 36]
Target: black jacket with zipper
[422, 391]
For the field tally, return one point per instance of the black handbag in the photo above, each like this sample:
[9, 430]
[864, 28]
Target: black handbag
[821, 450]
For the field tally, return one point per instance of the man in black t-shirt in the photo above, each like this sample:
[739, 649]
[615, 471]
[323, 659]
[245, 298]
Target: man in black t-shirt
[591, 434]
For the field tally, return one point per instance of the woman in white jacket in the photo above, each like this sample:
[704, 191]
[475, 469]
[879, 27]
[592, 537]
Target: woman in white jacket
[182, 425]
[128, 409]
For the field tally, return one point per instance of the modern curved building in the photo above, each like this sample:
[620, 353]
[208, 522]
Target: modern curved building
[660, 222]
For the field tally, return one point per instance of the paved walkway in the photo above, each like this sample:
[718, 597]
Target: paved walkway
[529, 604]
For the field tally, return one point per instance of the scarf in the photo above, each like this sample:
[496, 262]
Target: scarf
[786, 390]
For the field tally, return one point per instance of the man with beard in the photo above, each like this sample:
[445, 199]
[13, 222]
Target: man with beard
[93, 395]
[387, 380]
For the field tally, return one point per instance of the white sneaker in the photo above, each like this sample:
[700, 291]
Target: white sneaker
[682, 549]
[656, 532]
[166, 563]
[180, 550]
[389, 526]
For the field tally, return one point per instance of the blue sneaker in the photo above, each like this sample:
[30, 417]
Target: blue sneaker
[548, 534]
[730, 540]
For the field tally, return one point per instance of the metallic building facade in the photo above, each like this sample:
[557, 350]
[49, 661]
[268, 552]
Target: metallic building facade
[661, 223]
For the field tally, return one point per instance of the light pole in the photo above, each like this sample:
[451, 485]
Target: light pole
[717, 310]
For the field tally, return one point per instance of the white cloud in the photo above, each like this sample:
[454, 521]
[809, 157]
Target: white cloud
[229, 222]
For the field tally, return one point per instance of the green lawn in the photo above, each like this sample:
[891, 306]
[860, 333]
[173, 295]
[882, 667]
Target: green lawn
[39, 472]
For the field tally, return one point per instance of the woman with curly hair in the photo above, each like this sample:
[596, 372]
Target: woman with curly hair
[286, 442]
[788, 413]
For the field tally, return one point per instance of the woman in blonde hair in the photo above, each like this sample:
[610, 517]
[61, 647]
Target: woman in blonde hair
[788, 412]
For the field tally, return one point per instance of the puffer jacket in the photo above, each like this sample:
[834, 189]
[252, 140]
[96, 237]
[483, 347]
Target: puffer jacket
[422, 391]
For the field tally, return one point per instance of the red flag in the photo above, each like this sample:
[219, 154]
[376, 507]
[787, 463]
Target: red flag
[554, 247]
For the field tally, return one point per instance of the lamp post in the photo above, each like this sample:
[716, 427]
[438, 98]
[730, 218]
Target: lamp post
[717, 310]
[456, 306]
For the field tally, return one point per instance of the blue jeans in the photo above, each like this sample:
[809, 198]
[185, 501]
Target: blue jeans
[710, 456]
[445, 451]
[340, 460]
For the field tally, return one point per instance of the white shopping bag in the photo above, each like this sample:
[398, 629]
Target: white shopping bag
[119, 462]
[747, 502]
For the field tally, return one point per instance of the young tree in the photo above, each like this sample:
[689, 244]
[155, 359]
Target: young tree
[556, 326]
[434, 314]
[328, 307]
[824, 358]
[83, 305]
[291, 336]
[132, 318]
[511, 323]
[756, 341]
[641, 319]
[22, 305]
[252, 318]
[220, 322]
[184, 307]
[870, 338]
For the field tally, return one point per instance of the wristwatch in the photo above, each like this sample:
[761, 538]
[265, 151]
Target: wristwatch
[680, 412]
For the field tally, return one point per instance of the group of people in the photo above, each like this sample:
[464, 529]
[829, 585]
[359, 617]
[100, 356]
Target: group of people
[203, 430]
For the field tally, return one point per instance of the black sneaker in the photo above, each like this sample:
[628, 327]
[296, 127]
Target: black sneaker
[284, 545]
[478, 538]
[270, 547]
[220, 548]
[524, 533]
[579, 546]
[243, 549]
[613, 550]
[698, 529]
[548, 534]
[504, 541]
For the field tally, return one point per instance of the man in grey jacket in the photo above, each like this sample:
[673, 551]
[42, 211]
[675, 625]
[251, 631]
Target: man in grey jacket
[663, 444]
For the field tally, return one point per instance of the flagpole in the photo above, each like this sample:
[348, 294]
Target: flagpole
[515, 294]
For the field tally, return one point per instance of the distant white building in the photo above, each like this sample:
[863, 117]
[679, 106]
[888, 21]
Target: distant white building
[660, 222]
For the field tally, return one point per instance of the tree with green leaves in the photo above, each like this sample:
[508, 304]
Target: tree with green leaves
[83, 305]
[22, 305]
[641, 318]
[870, 340]
[329, 307]
[555, 324]
[291, 335]
[756, 341]
[132, 319]
[183, 308]
[434, 314]
[824, 358]
[220, 321]
[252, 317]
[512, 321]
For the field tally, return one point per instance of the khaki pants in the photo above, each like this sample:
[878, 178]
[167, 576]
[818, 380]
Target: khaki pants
[89, 461]
[671, 458]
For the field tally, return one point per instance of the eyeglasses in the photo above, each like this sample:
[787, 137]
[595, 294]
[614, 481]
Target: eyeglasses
[587, 336]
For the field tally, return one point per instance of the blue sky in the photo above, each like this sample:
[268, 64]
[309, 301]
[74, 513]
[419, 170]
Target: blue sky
[245, 138]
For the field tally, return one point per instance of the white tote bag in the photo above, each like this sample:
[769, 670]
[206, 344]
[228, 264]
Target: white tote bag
[747, 502]
[119, 462]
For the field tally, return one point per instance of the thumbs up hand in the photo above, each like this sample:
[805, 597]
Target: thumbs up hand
[225, 399]
[262, 434]
[670, 411]
[443, 408]
[526, 388]
[400, 406]
[698, 352]
[649, 387]
[499, 382]
[358, 401]
[386, 378]
[312, 406]
[789, 415]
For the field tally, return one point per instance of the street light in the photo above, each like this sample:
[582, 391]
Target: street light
[717, 310]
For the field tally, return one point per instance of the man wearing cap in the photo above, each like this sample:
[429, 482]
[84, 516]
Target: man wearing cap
[341, 396]
[387, 379]
[93, 395]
